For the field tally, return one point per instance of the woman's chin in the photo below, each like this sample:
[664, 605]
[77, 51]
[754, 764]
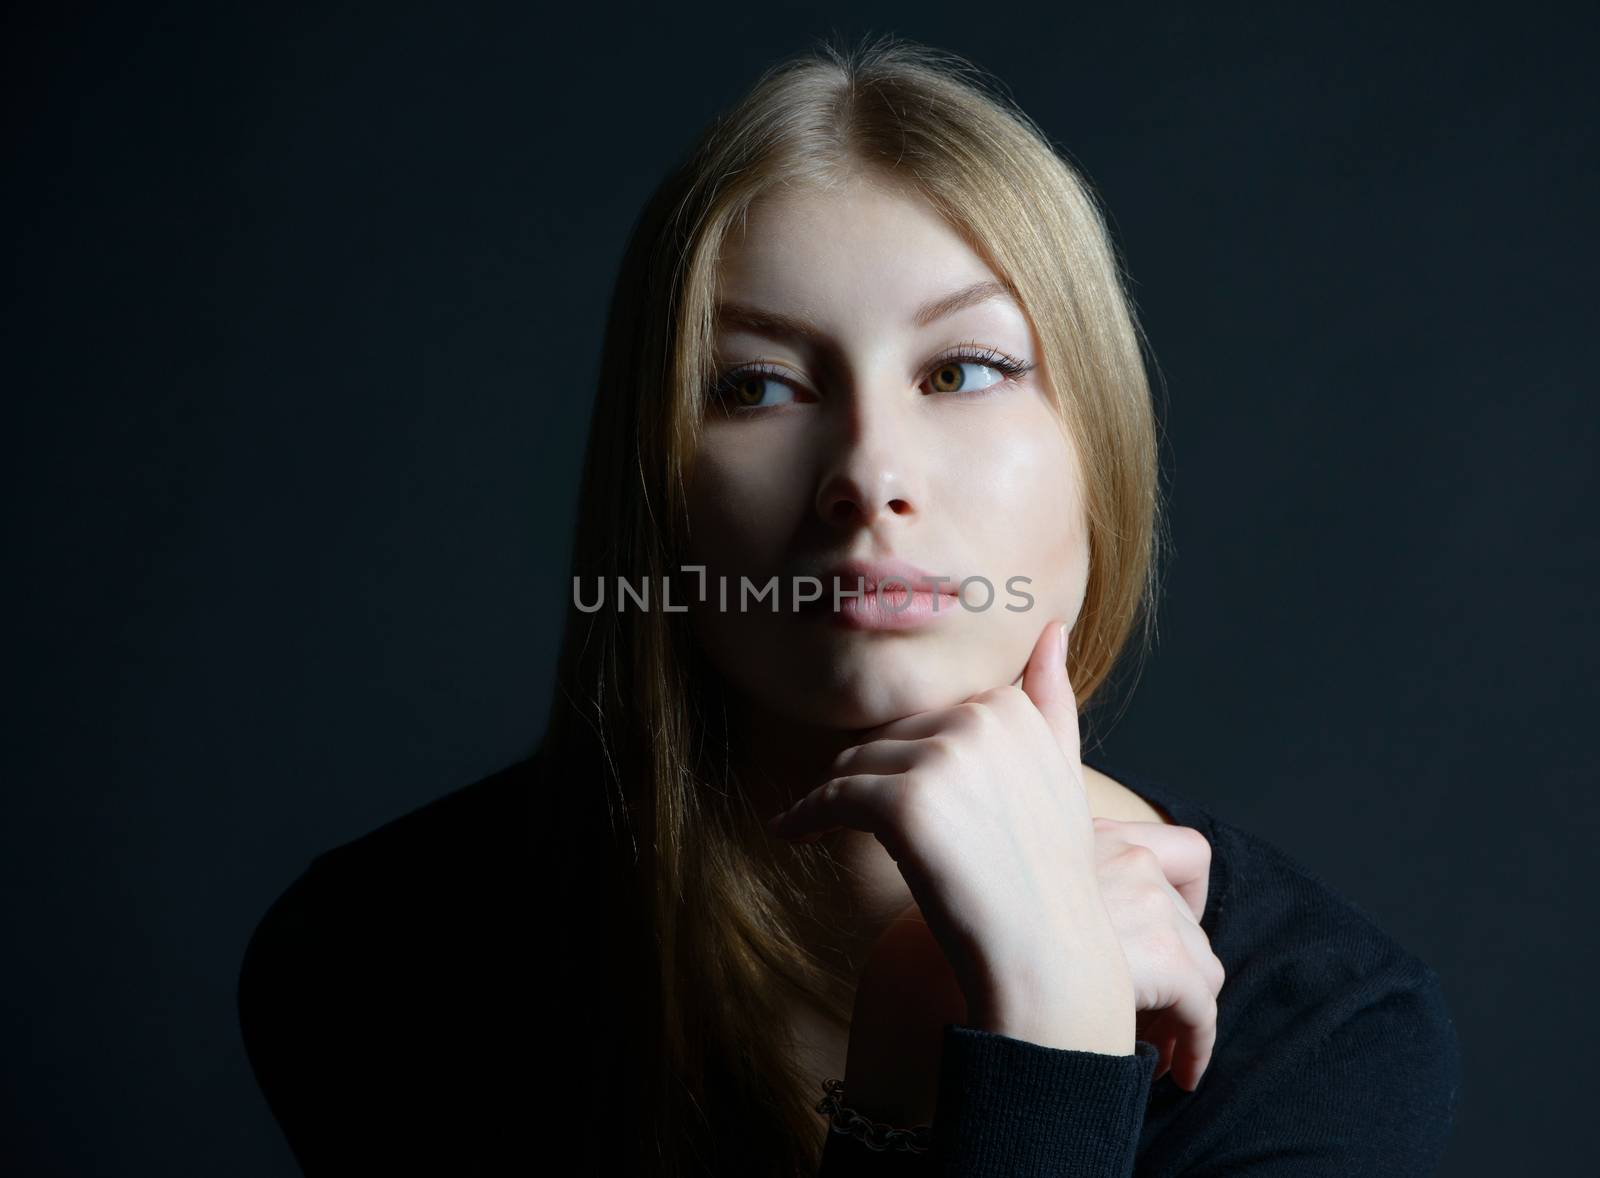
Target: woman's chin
[872, 694]
[854, 684]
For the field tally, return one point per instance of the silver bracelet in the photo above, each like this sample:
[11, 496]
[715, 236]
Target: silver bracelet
[874, 1135]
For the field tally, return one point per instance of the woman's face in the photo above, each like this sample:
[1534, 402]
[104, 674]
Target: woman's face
[858, 419]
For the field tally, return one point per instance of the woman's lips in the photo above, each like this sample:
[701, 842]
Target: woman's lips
[892, 607]
[861, 573]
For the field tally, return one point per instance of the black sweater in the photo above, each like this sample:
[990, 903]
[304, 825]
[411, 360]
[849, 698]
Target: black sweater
[390, 993]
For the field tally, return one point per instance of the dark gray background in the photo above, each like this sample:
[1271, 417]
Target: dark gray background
[298, 358]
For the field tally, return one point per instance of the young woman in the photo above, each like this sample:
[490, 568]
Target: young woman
[869, 517]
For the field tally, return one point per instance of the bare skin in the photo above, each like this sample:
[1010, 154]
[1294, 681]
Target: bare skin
[822, 1045]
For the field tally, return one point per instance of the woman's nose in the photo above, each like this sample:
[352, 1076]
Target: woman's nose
[871, 472]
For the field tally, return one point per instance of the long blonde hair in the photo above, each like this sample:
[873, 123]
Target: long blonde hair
[700, 918]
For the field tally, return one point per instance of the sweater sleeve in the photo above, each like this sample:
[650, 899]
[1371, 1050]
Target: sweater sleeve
[1367, 1083]
[1014, 1108]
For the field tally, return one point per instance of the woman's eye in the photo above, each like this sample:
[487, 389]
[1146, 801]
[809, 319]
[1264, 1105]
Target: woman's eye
[757, 389]
[964, 376]
[751, 390]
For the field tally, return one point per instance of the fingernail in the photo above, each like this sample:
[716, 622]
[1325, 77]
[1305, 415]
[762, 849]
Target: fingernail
[1061, 639]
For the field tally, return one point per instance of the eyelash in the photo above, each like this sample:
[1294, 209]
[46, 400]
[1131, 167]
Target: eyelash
[971, 352]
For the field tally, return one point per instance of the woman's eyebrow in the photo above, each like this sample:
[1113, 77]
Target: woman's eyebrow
[979, 292]
[776, 325]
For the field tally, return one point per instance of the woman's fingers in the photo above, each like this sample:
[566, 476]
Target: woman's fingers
[1196, 1015]
[1155, 1027]
[1190, 1018]
[866, 782]
[1184, 853]
[1156, 897]
[880, 756]
[1184, 1027]
[864, 801]
[1045, 683]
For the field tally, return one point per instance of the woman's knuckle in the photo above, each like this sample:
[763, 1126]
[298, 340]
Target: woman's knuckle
[1154, 903]
[1138, 857]
[985, 718]
[910, 790]
[1170, 951]
[1217, 973]
[964, 716]
[907, 805]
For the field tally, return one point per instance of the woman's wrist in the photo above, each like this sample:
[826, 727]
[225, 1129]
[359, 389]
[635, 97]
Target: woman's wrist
[1079, 1010]
[1107, 1032]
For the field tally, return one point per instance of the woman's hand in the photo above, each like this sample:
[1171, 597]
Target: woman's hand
[983, 808]
[1153, 879]
[907, 992]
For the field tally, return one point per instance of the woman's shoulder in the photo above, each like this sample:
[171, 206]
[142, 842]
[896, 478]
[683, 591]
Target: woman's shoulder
[466, 823]
[456, 858]
[1275, 923]
[386, 985]
[1324, 1021]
